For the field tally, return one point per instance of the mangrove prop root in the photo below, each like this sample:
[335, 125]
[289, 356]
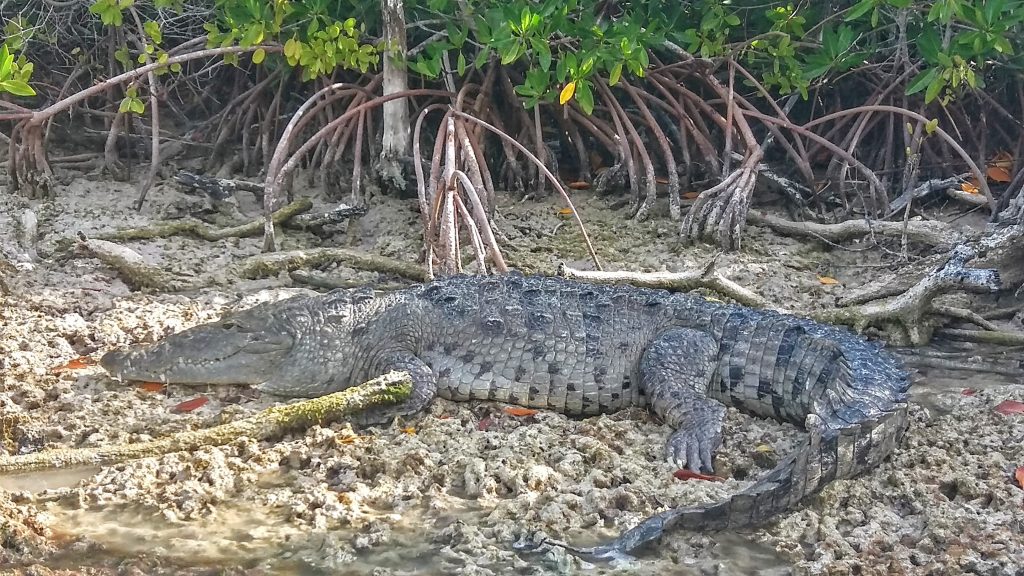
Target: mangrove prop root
[910, 309]
[271, 423]
[192, 227]
[271, 264]
[707, 278]
[930, 232]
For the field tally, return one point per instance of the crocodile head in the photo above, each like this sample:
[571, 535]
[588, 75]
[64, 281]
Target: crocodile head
[292, 347]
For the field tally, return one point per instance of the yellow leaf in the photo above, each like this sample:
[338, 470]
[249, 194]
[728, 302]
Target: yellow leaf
[764, 448]
[409, 430]
[567, 93]
[827, 280]
[970, 188]
[258, 55]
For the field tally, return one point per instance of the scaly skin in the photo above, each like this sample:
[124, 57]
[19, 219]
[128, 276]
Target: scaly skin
[579, 349]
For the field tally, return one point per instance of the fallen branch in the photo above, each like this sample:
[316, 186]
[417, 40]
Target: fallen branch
[706, 277]
[217, 188]
[272, 264]
[906, 314]
[925, 189]
[129, 264]
[270, 423]
[931, 232]
[204, 231]
[1001, 337]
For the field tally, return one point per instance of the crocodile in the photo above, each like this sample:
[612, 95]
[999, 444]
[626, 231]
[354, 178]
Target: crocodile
[580, 349]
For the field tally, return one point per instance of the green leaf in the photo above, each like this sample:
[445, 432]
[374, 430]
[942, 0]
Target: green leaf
[125, 106]
[860, 9]
[137, 106]
[922, 80]
[481, 58]
[585, 96]
[258, 56]
[153, 30]
[933, 89]
[931, 125]
[543, 52]
[6, 63]
[461, 65]
[615, 74]
[17, 87]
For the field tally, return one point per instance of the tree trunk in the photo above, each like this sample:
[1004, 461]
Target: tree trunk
[395, 151]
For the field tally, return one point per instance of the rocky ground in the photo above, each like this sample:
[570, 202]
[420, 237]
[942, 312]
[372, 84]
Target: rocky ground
[451, 490]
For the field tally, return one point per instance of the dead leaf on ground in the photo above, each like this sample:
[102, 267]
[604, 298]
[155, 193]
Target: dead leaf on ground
[998, 174]
[971, 187]
[684, 474]
[1018, 475]
[152, 387]
[190, 405]
[969, 392]
[1008, 407]
[579, 185]
[80, 363]
[409, 430]
[565, 213]
[519, 411]
[690, 195]
[828, 280]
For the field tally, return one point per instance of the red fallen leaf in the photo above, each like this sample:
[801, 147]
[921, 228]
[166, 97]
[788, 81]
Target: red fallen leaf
[518, 411]
[190, 405]
[579, 185]
[79, 363]
[684, 474]
[969, 392]
[485, 423]
[152, 387]
[1010, 407]
[1018, 475]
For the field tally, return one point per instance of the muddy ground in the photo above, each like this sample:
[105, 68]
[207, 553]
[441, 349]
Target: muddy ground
[451, 490]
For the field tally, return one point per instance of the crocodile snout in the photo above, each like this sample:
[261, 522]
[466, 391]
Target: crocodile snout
[115, 361]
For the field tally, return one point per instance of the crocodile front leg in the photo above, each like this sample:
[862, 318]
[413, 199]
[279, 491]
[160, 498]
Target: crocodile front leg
[675, 372]
[424, 388]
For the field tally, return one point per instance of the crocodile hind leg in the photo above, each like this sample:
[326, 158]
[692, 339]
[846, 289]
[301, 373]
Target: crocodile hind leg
[424, 388]
[675, 372]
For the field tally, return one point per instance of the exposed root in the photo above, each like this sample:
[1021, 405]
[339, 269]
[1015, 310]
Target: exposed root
[271, 423]
[930, 232]
[271, 264]
[707, 278]
[202, 230]
[1000, 337]
[906, 315]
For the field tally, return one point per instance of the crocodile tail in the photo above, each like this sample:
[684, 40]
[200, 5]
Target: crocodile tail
[828, 453]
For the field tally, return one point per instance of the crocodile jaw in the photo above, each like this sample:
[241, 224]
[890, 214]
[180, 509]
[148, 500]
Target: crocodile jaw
[209, 354]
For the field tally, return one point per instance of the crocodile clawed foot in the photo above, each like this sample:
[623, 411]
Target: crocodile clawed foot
[693, 450]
